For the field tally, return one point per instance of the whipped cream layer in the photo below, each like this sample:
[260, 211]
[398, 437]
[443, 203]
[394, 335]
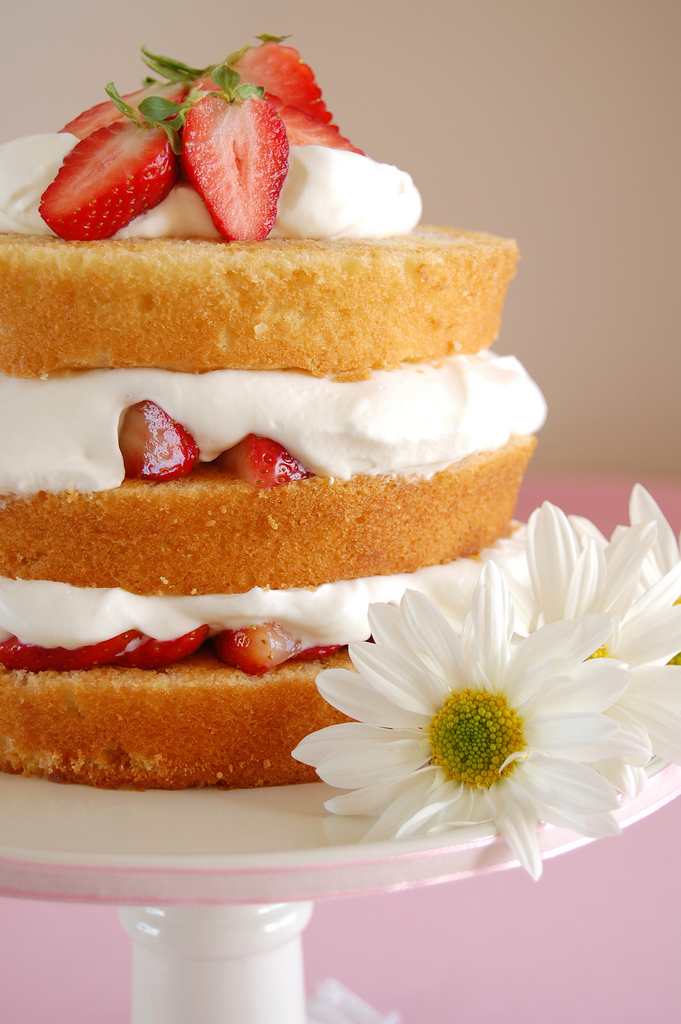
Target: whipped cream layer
[57, 615]
[61, 433]
[328, 193]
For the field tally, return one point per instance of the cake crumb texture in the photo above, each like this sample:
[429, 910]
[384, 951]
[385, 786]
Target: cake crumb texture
[209, 533]
[195, 723]
[328, 307]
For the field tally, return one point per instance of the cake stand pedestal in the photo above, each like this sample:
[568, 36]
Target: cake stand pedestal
[218, 964]
[217, 887]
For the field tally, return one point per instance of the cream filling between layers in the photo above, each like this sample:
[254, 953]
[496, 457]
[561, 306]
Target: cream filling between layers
[58, 615]
[61, 433]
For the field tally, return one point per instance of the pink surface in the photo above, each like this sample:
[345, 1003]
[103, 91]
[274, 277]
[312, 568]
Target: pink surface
[596, 940]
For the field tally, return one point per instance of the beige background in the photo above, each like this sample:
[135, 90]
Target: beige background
[554, 122]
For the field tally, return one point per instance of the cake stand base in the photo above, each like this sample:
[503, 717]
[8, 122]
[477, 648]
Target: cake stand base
[218, 965]
[217, 887]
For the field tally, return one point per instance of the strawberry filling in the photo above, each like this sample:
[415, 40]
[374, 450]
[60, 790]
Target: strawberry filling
[262, 462]
[152, 653]
[154, 446]
[16, 655]
[252, 649]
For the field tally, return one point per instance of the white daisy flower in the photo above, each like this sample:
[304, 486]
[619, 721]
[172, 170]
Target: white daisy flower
[574, 571]
[451, 731]
[665, 553]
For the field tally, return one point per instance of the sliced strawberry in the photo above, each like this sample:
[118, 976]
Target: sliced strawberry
[152, 653]
[256, 649]
[279, 70]
[154, 446]
[236, 156]
[108, 179]
[262, 462]
[16, 655]
[106, 113]
[303, 130]
[312, 653]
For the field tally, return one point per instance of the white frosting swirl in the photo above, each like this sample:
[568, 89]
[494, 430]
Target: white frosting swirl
[333, 193]
[328, 193]
[57, 615]
[61, 433]
[27, 166]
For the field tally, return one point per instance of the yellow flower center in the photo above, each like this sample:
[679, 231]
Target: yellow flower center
[602, 652]
[473, 735]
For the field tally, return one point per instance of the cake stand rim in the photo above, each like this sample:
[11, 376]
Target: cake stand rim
[292, 875]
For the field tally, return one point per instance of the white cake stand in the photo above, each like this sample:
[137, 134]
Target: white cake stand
[216, 887]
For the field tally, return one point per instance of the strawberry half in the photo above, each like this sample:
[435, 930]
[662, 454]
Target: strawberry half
[156, 653]
[107, 112]
[109, 178]
[303, 130]
[16, 655]
[236, 156]
[154, 446]
[280, 70]
[262, 462]
[256, 649]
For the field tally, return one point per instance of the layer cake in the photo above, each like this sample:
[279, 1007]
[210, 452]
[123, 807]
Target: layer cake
[364, 360]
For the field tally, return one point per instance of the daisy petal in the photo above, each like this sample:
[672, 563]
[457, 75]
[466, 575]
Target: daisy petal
[662, 724]
[552, 554]
[663, 593]
[626, 778]
[400, 681]
[399, 813]
[372, 801]
[655, 636]
[567, 731]
[585, 589]
[491, 616]
[356, 743]
[387, 628]
[516, 820]
[348, 692]
[661, 683]
[472, 807]
[574, 788]
[433, 639]
[643, 508]
[552, 651]
[593, 686]
[625, 555]
[586, 531]
[597, 826]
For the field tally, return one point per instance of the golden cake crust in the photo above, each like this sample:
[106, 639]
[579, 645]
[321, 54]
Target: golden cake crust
[328, 307]
[210, 533]
[195, 723]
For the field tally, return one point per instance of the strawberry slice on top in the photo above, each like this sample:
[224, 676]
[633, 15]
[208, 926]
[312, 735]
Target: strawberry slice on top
[303, 130]
[154, 446]
[117, 172]
[235, 153]
[281, 71]
[107, 112]
[109, 178]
